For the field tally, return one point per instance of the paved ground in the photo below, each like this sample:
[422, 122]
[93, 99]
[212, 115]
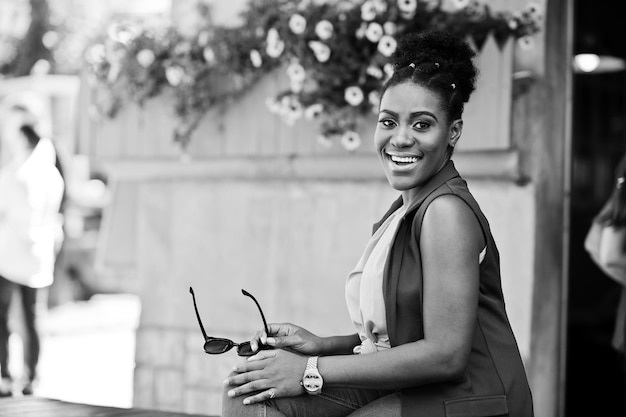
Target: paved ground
[87, 352]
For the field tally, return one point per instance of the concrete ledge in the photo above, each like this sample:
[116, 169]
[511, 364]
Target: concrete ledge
[497, 165]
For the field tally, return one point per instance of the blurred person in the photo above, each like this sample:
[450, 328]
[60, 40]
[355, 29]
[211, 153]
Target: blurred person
[31, 192]
[606, 244]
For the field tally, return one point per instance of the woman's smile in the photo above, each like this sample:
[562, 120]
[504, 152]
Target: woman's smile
[403, 161]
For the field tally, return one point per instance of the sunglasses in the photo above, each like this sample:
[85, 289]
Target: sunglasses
[218, 345]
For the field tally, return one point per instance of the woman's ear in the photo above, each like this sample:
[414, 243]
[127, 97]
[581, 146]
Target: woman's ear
[455, 132]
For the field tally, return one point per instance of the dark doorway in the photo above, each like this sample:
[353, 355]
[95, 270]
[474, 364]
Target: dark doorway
[594, 370]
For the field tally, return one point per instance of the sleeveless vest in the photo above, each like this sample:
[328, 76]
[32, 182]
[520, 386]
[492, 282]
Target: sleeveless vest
[494, 382]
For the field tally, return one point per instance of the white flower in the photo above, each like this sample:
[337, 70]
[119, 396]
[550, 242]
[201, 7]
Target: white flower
[145, 57]
[122, 33]
[374, 32]
[203, 38]
[360, 32]
[96, 54]
[533, 12]
[324, 29]
[526, 42]
[407, 6]
[374, 71]
[353, 95]
[390, 28]
[351, 140]
[460, 4]
[272, 36]
[313, 111]
[321, 50]
[388, 69]
[275, 46]
[296, 86]
[174, 75]
[387, 45]
[374, 99]
[209, 55]
[273, 105]
[275, 49]
[41, 67]
[368, 11]
[296, 72]
[255, 58]
[297, 24]
[182, 48]
[324, 141]
[291, 110]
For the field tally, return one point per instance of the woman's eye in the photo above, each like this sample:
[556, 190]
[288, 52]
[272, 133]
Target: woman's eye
[387, 123]
[421, 125]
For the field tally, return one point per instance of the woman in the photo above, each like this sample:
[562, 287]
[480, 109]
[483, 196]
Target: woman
[433, 338]
[31, 190]
[606, 244]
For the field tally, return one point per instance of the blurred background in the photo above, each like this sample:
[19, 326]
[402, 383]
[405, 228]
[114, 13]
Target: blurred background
[166, 192]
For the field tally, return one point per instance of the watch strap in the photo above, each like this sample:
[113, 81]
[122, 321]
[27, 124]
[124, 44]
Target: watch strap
[312, 363]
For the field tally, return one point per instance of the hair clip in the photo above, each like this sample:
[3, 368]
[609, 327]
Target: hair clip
[453, 85]
[620, 182]
[412, 65]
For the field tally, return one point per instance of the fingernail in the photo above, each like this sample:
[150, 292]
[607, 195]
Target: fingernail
[231, 393]
[246, 401]
[271, 340]
[226, 382]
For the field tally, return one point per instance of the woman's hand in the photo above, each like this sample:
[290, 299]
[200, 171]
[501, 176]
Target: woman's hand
[268, 374]
[289, 336]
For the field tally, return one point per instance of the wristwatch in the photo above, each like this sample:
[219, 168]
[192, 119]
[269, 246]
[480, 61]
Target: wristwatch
[312, 380]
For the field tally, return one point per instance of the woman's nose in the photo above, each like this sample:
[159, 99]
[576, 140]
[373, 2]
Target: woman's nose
[402, 138]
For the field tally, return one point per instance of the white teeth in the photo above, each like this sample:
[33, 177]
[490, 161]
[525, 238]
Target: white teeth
[403, 159]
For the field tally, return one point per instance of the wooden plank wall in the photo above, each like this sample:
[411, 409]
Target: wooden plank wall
[247, 128]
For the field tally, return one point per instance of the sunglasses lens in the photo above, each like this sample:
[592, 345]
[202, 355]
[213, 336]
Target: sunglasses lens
[245, 349]
[217, 346]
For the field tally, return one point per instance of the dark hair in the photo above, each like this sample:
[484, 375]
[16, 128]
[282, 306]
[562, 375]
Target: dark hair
[615, 212]
[32, 137]
[439, 61]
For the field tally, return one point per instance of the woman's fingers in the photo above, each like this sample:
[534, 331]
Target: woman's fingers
[254, 342]
[260, 397]
[252, 386]
[284, 341]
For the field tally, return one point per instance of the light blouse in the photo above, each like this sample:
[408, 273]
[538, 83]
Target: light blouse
[364, 294]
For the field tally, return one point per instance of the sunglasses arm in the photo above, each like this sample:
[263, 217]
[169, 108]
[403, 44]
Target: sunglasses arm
[206, 338]
[246, 293]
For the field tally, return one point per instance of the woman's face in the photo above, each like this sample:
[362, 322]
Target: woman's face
[412, 136]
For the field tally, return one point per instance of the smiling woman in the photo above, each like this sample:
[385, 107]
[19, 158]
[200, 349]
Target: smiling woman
[432, 336]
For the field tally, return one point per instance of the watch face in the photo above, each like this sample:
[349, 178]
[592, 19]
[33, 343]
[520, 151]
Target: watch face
[312, 381]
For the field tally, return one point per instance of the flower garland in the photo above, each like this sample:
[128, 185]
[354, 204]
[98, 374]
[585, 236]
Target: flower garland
[334, 55]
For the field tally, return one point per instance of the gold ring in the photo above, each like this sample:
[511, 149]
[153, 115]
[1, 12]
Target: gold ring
[272, 394]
